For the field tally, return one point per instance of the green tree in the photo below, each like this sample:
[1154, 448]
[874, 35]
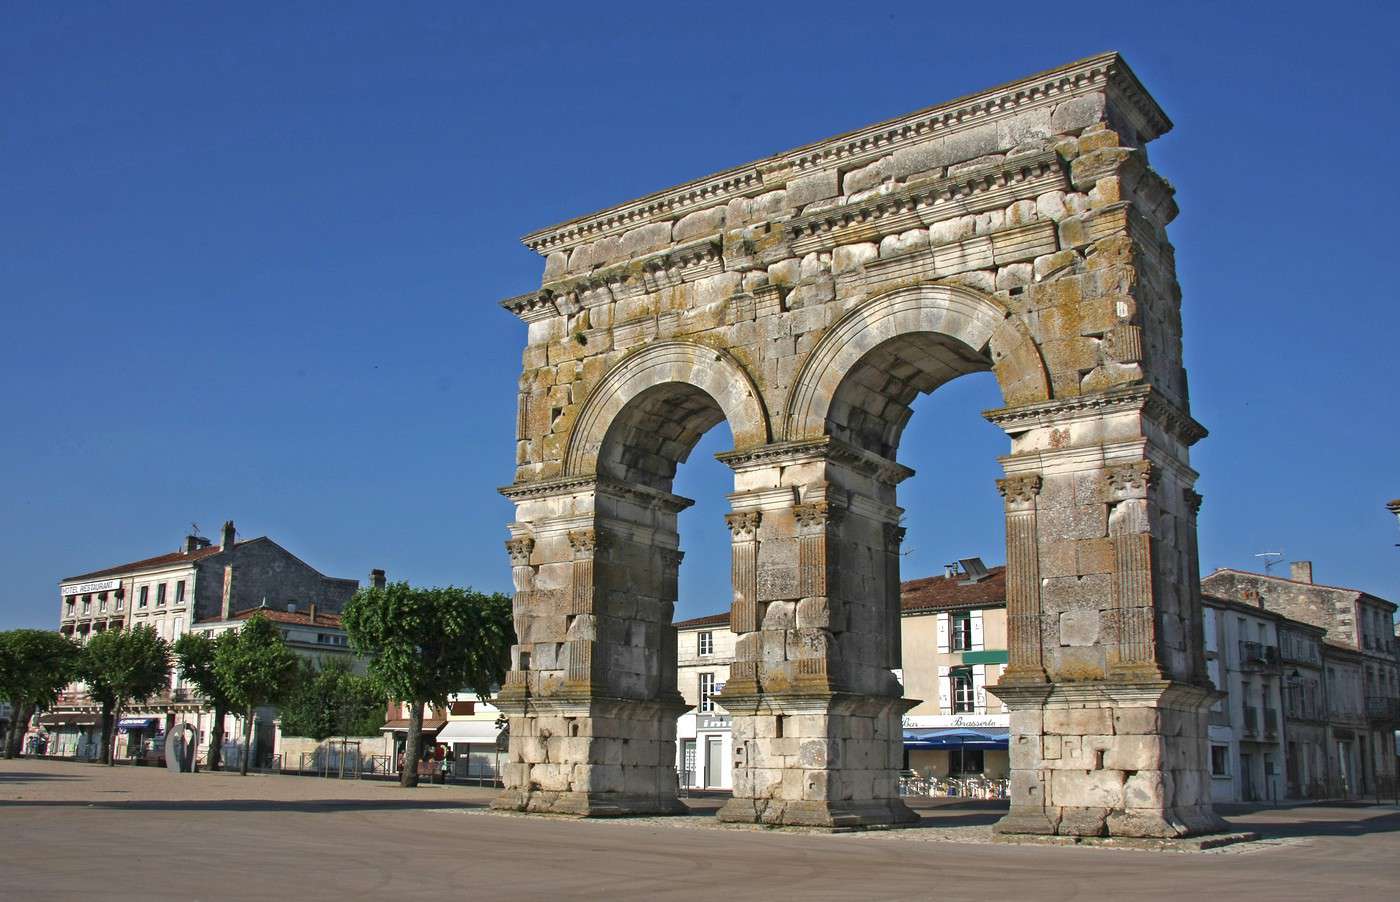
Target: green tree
[255, 668]
[120, 667]
[331, 700]
[425, 644]
[194, 654]
[35, 665]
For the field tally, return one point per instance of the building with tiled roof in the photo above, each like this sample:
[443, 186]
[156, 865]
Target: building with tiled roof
[953, 648]
[202, 585]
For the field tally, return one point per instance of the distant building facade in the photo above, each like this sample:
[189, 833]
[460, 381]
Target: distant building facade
[204, 587]
[1340, 682]
[704, 741]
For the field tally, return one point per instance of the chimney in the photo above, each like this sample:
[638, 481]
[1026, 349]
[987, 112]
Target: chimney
[311, 612]
[376, 579]
[224, 610]
[227, 535]
[1301, 571]
[194, 543]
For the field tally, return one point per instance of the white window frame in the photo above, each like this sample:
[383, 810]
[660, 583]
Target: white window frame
[964, 698]
[705, 692]
[705, 643]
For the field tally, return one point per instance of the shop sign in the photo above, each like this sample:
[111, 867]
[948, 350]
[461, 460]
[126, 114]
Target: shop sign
[964, 721]
[712, 722]
[102, 585]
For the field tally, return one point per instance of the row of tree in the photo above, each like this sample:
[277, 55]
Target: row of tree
[422, 645]
[239, 670]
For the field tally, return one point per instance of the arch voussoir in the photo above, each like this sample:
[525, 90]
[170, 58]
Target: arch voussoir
[714, 372]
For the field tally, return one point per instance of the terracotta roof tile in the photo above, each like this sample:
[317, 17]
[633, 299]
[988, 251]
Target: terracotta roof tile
[323, 618]
[163, 560]
[720, 619]
[942, 593]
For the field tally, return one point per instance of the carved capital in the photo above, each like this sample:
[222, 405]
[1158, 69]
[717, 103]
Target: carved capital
[1129, 480]
[671, 557]
[894, 536]
[586, 542]
[1193, 500]
[812, 515]
[519, 550]
[743, 525]
[1020, 489]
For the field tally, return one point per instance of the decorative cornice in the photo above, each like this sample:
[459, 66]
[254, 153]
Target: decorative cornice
[1107, 72]
[569, 485]
[882, 469]
[1141, 398]
[924, 203]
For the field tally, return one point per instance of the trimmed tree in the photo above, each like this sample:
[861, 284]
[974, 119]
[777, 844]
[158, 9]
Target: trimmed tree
[331, 700]
[35, 665]
[120, 667]
[425, 644]
[255, 668]
[194, 654]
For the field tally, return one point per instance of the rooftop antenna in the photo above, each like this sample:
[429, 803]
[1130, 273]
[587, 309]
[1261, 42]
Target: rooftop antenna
[1274, 558]
[194, 529]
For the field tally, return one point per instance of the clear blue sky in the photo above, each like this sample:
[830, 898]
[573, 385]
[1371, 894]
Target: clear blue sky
[252, 255]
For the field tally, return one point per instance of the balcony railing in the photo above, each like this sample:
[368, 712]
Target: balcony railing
[1383, 709]
[1257, 655]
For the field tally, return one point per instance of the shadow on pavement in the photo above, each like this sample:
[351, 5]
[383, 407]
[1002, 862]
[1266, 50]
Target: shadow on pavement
[310, 806]
[19, 776]
[1320, 825]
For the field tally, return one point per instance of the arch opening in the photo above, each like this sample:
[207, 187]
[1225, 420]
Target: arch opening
[655, 433]
[873, 402]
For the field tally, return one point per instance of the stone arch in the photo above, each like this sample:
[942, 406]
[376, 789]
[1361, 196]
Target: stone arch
[668, 374]
[974, 330]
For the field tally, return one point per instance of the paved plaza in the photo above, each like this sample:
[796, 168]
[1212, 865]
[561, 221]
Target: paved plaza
[69, 830]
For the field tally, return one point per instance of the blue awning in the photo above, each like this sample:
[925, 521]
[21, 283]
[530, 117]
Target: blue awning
[957, 738]
[135, 723]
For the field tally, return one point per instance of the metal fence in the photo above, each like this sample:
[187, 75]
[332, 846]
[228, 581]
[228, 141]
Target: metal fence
[954, 787]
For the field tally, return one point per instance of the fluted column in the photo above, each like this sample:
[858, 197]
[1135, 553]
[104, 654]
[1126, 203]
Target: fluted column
[1195, 629]
[1132, 652]
[1026, 663]
[578, 652]
[743, 527]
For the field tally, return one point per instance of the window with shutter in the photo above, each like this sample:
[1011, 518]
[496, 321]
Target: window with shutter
[945, 692]
[976, 631]
[979, 688]
[943, 633]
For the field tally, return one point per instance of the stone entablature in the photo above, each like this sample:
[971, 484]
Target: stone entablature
[807, 300]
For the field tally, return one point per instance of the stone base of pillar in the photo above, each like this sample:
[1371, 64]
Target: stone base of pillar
[591, 757]
[1109, 759]
[817, 759]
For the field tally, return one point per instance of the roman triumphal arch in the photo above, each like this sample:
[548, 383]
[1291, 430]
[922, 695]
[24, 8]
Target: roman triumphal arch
[806, 300]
